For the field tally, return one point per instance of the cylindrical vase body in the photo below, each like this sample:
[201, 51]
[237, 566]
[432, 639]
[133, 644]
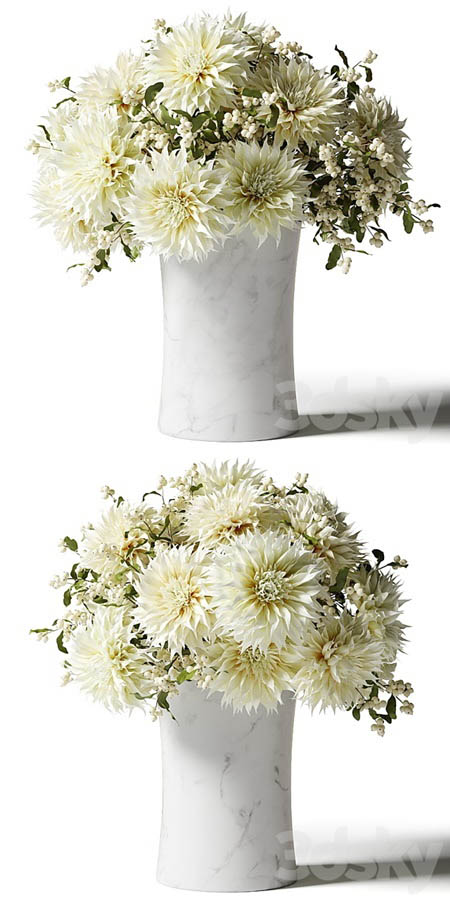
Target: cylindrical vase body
[228, 369]
[226, 815]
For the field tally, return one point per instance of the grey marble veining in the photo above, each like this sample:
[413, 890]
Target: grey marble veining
[228, 342]
[226, 816]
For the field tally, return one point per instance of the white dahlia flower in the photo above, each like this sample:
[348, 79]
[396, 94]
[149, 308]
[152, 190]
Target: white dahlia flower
[122, 85]
[264, 588]
[333, 660]
[223, 514]
[174, 603]
[96, 160]
[218, 476]
[378, 600]
[374, 117]
[248, 677]
[105, 662]
[309, 102]
[54, 209]
[56, 122]
[264, 188]
[312, 517]
[199, 64]
[174, 205]
[106, 543]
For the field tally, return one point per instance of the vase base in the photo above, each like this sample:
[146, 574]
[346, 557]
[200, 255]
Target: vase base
[212, 436]
[238, 889]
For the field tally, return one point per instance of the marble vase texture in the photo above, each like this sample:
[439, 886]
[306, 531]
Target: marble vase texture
[226, 814]
[228, 365]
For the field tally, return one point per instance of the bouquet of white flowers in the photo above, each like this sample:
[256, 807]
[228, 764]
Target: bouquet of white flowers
[245, 587]
[216, 126]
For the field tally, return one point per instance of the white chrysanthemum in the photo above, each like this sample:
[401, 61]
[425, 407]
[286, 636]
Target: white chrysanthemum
[174, 205]
[333, 661]
[248, 677]
[251, 34]
[324, 529]
[309, 101]
[374, 117]
[96, 160]
[122, 85]
[56, 122]
[174, 604]
[105, 545]
[199, 64]
[223, 514]
[105, 662]
[264, 188]
[378, 600]
[53, 209]
[218, 476]
[264, 587]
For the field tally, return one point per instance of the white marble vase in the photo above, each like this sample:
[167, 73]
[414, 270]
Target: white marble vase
[228, 369]
[226, 814]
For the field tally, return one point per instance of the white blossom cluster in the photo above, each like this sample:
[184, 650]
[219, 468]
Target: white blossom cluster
[207, 91]
[247, 588]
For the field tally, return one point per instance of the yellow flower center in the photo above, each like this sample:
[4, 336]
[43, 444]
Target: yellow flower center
[260, 183]
[196, 64]
[178, 207]
[269, 586]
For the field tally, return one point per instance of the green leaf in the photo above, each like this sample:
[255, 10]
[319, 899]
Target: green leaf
[333, 257]
[391, 707]
[60, 644]
[334, 71]
[71, 543]
[356, 713]
[369, 74]
[66, 81]
[184, 675]
[318, 184]
[102, 257]
[183, 113]
[352, 90]
[274, 117]
[251, 92]
[378, 554]
[67, 598]
[408, 222]
[127, 251]
[342, 55]
[65, 100]
[210, 136]
[341, 578]
[383, 232]
[152, 492]
[166, 117]
[162, 700]
[151, 92]
[46, 133]
[199, 120]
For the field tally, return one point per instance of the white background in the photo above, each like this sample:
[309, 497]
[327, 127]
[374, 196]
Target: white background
[81, 381]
